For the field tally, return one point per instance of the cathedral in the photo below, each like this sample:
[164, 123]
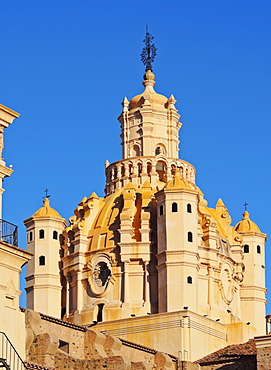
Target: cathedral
[151, 251]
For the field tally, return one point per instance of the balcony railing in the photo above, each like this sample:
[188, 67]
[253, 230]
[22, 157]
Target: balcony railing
[9, 357]
[8, 233]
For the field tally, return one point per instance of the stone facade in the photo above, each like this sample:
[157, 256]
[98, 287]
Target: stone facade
[90, 349]
[151, 248]
[54, 343]
[12, 258]
[147, 277]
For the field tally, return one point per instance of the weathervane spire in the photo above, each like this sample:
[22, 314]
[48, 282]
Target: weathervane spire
[149, 51]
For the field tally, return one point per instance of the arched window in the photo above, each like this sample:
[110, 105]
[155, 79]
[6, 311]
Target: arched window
[160, 166]
[157, 150]
[173, 169]
[190, 236]
[100, 312]
[189, 208]
[30, 236]
[55, 234]
[122, 170]
[246, 248]
[136, 151]
[259, 249]
[161, 210]
[174, 207]
[161, 170]
[149, 168]
[139, 168]
[42, 260]
[41, 234]
[160, 149]
[189, 279]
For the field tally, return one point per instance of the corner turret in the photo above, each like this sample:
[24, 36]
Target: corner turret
[253, 290]
[43, 287]
[178, 262]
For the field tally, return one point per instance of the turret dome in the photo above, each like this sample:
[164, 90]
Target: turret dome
[149, 93]
[246, 225]
[46, 210]
[177, 181]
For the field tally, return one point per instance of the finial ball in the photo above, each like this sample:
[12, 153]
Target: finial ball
[149, 75]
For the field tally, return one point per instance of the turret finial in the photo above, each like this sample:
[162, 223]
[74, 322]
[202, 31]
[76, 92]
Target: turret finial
[149, 51]
[46, 192]
[245, 205]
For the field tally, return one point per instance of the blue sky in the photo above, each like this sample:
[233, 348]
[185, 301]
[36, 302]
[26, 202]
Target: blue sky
[66, 66]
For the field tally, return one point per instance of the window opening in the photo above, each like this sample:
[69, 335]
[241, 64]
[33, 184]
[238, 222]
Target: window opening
[189, 208]
[42, 260]
[122, 170]
[100, 312]
[190, 236]
[64, 346]
[174, 207]
[136, 151]
[139, 168]
[160, 166]
[259, 249]
[189, 279]
[41, 234]
[173, 169]
[161, 170]
[55, 235]
[161, 210]
[30, 236]
[246, 248]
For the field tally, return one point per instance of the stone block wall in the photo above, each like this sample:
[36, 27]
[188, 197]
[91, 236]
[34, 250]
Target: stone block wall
[264, 358]
[263, 345]
[72, 334]
[52, 343]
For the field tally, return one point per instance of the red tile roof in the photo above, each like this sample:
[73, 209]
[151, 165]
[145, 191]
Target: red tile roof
[32, 366]
[230, 352]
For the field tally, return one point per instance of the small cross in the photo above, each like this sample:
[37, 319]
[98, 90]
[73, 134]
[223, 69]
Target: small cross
[245, 205]
[46, 192]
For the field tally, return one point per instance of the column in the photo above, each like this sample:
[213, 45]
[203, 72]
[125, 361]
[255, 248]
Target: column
[67, 295]
[210, 287]
[126, 290]
[79, 290]
[146, 284]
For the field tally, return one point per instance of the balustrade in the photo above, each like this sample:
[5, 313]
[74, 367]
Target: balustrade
[140, 169]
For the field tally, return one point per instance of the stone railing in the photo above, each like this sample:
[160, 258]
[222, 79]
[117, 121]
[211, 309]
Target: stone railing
[157, 170]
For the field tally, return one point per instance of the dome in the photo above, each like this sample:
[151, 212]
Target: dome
[177, 182]
[156, 100]
[46, 210]
[246, 225]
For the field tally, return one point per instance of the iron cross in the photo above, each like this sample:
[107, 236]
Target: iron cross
[46, 192]
[245, 205]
